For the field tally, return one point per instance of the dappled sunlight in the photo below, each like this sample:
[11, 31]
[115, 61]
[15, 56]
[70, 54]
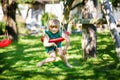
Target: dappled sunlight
[32, 49]
[18, 61]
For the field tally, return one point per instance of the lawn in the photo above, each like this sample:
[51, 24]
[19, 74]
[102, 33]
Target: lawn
[18, 61]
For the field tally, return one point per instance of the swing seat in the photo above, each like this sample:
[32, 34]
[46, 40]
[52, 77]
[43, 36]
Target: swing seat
[56, 40]
[4, 43]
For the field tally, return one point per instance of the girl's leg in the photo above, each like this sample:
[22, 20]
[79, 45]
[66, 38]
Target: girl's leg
[51, 58]
[63, 57]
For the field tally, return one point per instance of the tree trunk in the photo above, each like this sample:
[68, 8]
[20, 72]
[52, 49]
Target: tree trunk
[66, 12]
[9, 10]
[107, 11]
[88, 30]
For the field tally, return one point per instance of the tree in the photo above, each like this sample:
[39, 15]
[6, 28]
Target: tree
[88, 30]
[67, 8]
[112, 24]
[66, 11]
[9, 10]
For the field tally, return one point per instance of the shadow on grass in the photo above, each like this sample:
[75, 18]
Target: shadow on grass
[18, 61]
[106, 47]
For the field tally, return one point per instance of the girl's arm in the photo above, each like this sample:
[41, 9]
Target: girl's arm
[46, 42]
[67, 39]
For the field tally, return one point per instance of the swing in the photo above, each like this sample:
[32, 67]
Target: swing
[5, 42]
[56, 40]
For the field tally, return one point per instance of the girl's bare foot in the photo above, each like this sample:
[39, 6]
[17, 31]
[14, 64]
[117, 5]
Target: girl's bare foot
[39, 64]
[68, 65]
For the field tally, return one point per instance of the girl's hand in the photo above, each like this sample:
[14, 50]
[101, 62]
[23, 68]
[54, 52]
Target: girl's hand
[64, 51]
[54, 45]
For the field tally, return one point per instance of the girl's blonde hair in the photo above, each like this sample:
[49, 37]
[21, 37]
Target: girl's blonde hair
[53, 22]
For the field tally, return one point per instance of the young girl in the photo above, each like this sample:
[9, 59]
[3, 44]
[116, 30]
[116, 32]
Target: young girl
[52, 48]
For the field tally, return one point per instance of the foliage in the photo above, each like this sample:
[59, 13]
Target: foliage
[18, 61]
[24, 1]
[115, 3]
[46, 17]
[2, 27]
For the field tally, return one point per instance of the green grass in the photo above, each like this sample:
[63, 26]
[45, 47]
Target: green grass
[18, 61]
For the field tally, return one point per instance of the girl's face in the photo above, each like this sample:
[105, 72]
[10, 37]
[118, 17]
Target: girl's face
[54, 29]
